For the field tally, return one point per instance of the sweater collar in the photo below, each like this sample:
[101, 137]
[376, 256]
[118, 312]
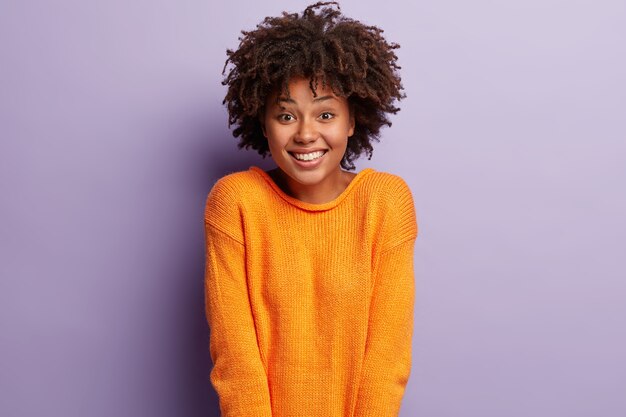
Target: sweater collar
[311, 206]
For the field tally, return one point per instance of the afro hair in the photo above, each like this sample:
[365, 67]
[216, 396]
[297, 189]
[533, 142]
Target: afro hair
[324, 46]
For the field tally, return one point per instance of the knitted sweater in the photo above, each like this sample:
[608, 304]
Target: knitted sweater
[310, 306]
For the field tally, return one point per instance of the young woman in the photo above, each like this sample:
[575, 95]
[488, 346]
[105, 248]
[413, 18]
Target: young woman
[309, 278]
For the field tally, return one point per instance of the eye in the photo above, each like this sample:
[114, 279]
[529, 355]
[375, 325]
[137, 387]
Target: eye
[327, 115]
[285, 117]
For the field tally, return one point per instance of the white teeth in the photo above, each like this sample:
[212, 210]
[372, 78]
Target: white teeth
[308, 156]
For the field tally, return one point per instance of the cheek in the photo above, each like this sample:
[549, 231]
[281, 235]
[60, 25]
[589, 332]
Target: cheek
[276, 137]
[341, 135]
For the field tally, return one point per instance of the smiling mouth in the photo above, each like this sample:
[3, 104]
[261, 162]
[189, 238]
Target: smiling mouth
[311, 156]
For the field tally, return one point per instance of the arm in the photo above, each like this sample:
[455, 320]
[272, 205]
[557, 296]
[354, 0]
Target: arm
[387, 362]
[238, 374]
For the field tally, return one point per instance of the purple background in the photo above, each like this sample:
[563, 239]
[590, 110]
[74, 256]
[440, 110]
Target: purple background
[512, 140]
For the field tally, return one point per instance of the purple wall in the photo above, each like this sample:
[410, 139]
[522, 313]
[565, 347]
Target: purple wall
[512, 139]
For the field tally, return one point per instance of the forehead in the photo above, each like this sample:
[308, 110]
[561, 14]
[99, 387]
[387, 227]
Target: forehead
[301, 89]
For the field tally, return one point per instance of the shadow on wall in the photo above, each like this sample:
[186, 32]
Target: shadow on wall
[218, 157]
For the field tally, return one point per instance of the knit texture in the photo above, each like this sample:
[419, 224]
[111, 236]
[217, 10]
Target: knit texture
[310, 306]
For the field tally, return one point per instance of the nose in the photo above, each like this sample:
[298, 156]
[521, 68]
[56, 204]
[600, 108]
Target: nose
[307, 131]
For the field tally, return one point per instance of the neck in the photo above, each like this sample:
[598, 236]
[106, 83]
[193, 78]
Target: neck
[323, 192]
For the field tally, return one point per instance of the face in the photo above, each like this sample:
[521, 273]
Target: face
[307, 135]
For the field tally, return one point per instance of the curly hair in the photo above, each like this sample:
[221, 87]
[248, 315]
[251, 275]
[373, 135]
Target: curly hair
[353, 59]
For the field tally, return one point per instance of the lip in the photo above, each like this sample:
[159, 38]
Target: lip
[309, 164]
[307, 150]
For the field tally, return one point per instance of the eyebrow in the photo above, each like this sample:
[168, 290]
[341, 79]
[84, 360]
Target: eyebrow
[317, 99]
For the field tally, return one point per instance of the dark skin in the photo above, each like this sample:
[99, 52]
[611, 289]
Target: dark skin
[277, 175]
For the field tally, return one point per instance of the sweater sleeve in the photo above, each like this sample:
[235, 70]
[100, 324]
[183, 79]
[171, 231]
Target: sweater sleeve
[387, 362]
[238, 374]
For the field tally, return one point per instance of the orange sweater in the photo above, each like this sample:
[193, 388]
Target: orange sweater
[310, 306]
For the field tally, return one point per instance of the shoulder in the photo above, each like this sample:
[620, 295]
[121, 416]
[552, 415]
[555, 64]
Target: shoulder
[391, 188]
[231, 185]
[395, 198]
[233, 189]
[223, 204]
